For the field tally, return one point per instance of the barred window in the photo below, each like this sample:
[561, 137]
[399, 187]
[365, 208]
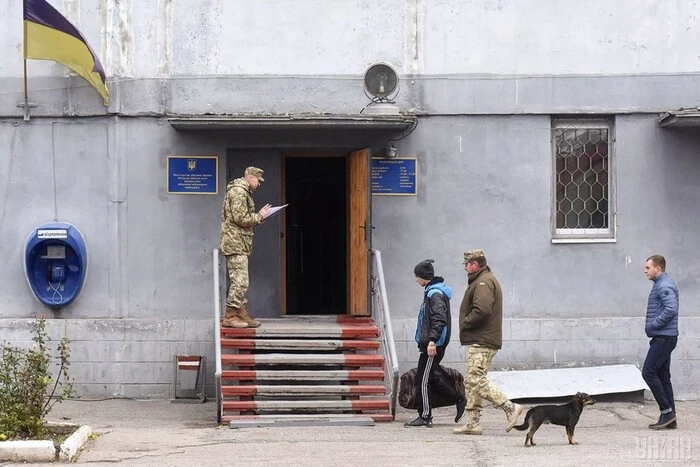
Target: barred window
[583, 188]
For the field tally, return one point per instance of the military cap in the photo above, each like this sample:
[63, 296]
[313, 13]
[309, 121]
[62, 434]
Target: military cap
[256, 172]
[471, 255]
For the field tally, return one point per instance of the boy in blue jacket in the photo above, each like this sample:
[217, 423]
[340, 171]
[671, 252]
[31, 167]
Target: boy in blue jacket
[662, 327]
[432, 336]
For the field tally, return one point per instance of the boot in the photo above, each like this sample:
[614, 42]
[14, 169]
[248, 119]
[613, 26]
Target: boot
[473, 426]
[512, 411]
[665, 420]
[231, 319]
[246, 318]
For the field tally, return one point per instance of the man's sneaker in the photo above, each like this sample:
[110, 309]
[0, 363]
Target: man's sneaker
[512, 411]
[461, 404]
[673, 425]
[420, 421]
[664, 420]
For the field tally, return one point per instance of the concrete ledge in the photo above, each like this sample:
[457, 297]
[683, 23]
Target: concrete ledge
[27, 451]
[71, 446]
[44, 450]
[559, 382]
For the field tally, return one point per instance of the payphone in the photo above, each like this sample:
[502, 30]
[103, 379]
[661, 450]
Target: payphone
[55, 263]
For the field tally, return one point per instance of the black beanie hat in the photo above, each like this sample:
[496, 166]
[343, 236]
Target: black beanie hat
[424, 269]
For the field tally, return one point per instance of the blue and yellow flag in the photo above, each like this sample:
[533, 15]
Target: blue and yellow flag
[50, 36]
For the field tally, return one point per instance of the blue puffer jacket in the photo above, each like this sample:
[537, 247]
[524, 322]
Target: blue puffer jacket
[662, 308]
[434, 318]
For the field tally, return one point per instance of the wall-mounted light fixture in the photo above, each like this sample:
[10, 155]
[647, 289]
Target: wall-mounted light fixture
[381, 84]
[390, 152]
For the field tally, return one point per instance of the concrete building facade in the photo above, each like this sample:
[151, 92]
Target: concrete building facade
[538, 139]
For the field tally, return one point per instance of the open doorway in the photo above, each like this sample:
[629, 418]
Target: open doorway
[315, 234]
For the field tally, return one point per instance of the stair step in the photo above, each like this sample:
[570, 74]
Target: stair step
[303, 375]
[264, 420]
[355, 319]
[302, 359]
[286, 420]
[298, 390]
[329, 318]
[363, 404]
[298, 344]
[301, 328]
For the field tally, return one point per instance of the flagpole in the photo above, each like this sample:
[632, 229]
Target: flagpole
[26, 93]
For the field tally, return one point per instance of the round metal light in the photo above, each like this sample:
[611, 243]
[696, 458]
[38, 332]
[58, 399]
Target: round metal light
[381, 81]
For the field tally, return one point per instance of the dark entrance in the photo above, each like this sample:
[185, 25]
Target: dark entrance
[316, 245]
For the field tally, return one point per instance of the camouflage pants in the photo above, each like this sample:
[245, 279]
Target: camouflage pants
[237, 266]
[478, 387]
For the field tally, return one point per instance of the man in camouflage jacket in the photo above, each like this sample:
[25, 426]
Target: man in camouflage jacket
[481, 330]
[238, 218]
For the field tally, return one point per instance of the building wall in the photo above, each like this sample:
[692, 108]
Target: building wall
[564, 304]
[485, 77]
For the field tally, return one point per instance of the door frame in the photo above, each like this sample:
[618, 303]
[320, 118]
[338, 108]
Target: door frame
[358, 276]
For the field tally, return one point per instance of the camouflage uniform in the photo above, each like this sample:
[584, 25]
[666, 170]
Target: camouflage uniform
[480, 329]
[479, 360]
[238, 217]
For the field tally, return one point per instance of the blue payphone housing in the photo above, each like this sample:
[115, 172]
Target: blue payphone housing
[55, 263]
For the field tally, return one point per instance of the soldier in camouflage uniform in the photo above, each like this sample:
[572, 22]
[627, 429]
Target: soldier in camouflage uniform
[481, 330]
[238, 218]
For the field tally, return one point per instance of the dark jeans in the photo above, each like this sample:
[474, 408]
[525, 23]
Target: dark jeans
[427, 382]
[657, 370]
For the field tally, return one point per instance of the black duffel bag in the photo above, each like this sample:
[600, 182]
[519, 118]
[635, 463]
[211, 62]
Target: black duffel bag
[407, 387]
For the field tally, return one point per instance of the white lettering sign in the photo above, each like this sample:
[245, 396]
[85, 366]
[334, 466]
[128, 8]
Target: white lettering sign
[53, 233]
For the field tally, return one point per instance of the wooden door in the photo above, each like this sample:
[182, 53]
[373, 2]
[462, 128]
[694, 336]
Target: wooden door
[358, 232]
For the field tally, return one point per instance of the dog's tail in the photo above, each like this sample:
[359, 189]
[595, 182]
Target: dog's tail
[522, 427]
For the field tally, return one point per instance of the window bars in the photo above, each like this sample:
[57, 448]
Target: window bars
[582, 181]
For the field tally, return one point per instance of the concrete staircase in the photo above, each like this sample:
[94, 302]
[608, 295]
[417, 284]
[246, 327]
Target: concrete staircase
[313, 369]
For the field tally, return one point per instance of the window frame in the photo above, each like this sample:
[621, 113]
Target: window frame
[584, 235]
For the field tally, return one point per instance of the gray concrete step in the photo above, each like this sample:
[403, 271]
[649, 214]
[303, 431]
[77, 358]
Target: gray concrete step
[291, 390]
[287, 420]
[303, 375]
[250, 360]
[282, 405]
[299, 344]
[281, 328]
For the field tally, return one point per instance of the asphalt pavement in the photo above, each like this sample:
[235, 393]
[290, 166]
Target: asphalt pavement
[158, 432]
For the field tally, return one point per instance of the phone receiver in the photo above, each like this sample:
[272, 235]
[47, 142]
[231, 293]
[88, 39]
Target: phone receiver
[56, 271]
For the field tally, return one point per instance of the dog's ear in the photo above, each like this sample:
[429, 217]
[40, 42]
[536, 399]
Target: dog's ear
[578, 394]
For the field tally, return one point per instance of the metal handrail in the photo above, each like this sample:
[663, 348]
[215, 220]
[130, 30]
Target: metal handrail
[217, 334]
[383, 317]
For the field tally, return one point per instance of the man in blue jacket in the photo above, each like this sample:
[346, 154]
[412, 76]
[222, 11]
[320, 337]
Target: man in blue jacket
[432, 336]
[662, 327]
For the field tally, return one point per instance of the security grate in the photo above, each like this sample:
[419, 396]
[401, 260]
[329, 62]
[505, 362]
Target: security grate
[582, 179]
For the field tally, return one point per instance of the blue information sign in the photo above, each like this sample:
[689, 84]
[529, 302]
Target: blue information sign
[394, 177]
[195, 175]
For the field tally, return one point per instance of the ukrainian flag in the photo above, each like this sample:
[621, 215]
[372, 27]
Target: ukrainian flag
[50, 36]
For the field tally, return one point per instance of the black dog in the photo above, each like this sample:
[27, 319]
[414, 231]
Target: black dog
[566, 415]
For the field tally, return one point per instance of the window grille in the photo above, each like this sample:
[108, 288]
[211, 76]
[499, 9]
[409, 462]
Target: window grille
[583, 187]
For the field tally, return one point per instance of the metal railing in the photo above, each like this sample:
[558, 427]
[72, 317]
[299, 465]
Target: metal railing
[217, 334]
[382, 316]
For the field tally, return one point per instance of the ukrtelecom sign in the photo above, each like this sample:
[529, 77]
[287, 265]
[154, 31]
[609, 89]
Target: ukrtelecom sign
[193, 175]
[394, 177]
